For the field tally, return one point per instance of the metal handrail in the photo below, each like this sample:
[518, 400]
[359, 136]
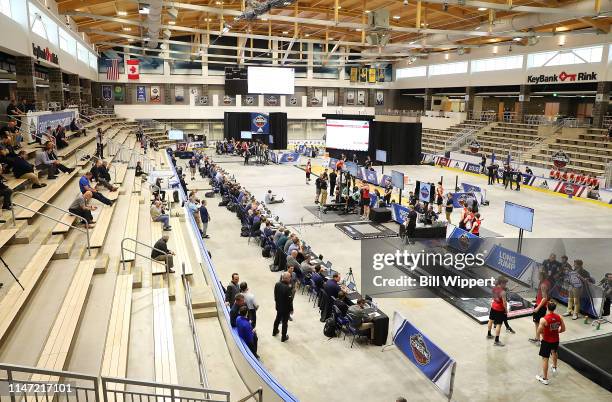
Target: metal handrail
[135, 251]
[194, 331]
[459, 139]
[86, 230]
[172, 387]
[257, 394]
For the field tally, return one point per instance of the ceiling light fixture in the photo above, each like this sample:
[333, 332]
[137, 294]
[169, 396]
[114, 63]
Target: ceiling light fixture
[127, 29]
[396, 17]
[482, 9]
[122, 13]
[172, 22]
[285, 32]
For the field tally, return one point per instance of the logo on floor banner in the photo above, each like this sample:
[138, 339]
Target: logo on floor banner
[560, 159]
[260, 123]
[472, 167]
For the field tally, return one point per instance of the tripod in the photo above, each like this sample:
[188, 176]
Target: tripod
[349, 278]
[12, 274]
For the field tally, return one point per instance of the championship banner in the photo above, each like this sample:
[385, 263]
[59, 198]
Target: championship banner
[118, 91]
[425, 192]
[260, 123]
[179, 94]
[372, 75]
[363, 74]
[399, 213]
[289, 158]
[564, 187]
[426, 356]
[472, 167]
[442, 161]
[511, 263]
[380, 98]
[155, 94]
[381, 75]
[354, 74]
[141, 93]
[107, 93]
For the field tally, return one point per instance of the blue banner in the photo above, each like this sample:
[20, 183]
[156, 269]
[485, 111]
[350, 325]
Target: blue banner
[332, 163]
[385, 180]
[508, 262]
[467, 197]
[260, 124]
[399, 213]
[352, 168]
[53, 120]
[141, 93]
[426, 356]
[472, 167]
[464, 241]
[371, 176]
[107, 93]
[470, 188]
[273, 157]
[425, 192]
[289, 157]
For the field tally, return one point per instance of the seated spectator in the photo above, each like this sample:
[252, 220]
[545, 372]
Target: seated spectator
[235, 308]
[360, 318]
[317, 277]
[5, 192]
[593, 194]
[282, 239]
[306, 267]
[46, 162]
[295, 245]
[430, 216]
[528, 171]
[332, 286]
[341, 303]
[80, 207]
[139, 172]
[292, 260]
[232, 289]
[161, 253]
[60, 137]
[158, 215]
[101, 174]
[13, 132]
[85, 185]
[271, 198]
[76, 127]
[24, 169]
[246, 332]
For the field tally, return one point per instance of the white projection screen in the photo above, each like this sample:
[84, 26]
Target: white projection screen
[271, 80]
[353, 135]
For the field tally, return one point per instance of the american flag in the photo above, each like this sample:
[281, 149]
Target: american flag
[112, 72]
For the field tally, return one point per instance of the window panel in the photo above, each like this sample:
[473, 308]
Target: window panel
[449, 68]
[497, 64]
[584, 55]
[82, 53]
[66, 42]
[5, 7]
[410, 72]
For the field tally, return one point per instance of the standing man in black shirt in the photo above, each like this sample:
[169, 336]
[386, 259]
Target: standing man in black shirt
[491, 173]
[518, 177]
[283, 298]
[411, 225]
[332, 183]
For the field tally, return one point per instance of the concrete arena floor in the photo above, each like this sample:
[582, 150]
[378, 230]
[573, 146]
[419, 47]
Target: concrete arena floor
[309, 365]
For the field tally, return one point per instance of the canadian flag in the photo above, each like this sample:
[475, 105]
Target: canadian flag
[133, 69]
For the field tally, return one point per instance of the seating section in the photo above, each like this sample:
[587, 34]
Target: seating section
[57, 348]
[156, 233]
[48, 193]
[114, 362]
[6, 235]
[165, 359]
[504, 137]
[98, 234]
[62, 228]
[15, 298]
[433, 140]
[131, 228]
[589, 153]
[182, 256]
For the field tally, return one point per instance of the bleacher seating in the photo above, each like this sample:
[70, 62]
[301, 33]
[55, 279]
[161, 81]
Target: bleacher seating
[131, 228]
[114, 361]
[504, 137]
[6, 235]
[62, 228]
[182, 256]
[165, 360]
[589, 153]
[98, 234]
[57, 348]
[156, 233]
[15, 298]
[433, 140]
[49, 192]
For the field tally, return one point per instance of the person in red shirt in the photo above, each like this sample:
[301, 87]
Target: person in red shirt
[551, 325]
[468, 220]
[564, 176]
[572, 177]
[475, 230]
[541, 302]
[579, 178]
[552, 173]
[308, 171]
[364, 192]
[439, 197]
[499, 306]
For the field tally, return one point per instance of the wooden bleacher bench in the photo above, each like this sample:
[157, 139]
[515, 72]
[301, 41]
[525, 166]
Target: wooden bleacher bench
[164, 355]
[182, 256]
[66, 219]
[15, 183]
[49, 192]
[74, 145]
[156, 234]
[15, 298]
[114, 361]
[121, 171]
[6, 235]
[57, 348]
[98, 234]
[131, 228]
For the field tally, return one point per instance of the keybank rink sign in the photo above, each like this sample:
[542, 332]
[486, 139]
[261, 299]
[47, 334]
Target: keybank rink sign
[562, 77]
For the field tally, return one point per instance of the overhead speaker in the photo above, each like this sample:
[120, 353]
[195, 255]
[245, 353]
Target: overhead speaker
[378, 19]
[377, 38]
